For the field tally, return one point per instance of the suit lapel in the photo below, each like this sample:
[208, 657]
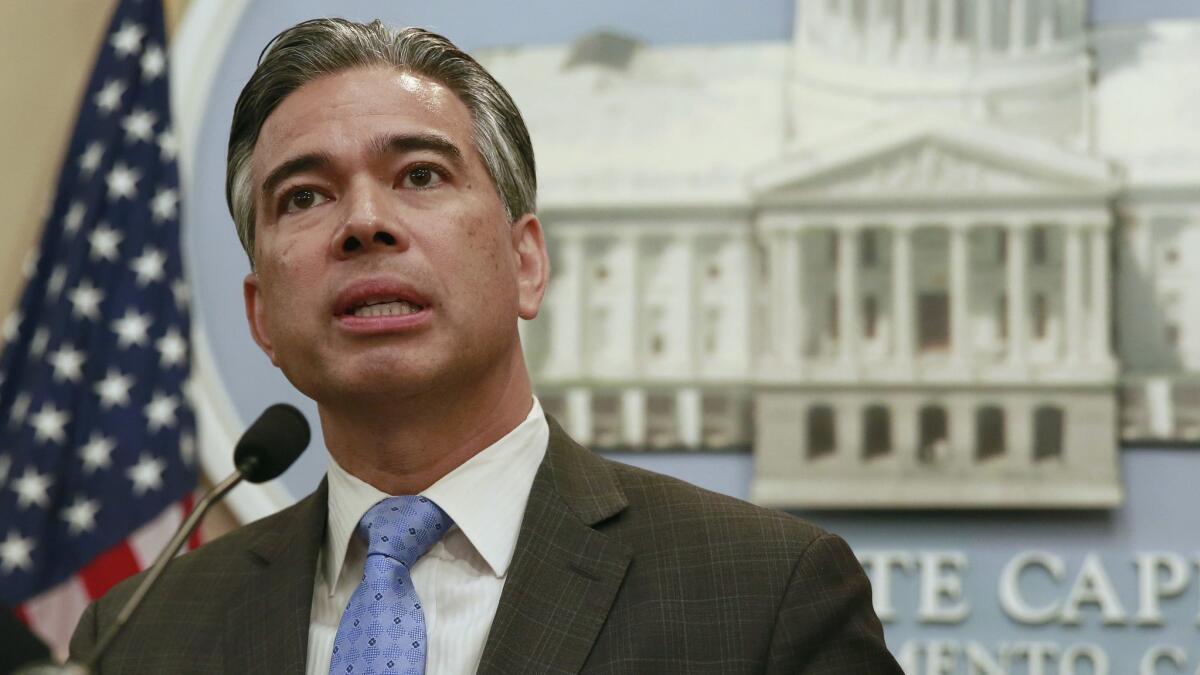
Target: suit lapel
[268, 630]
[564, 575]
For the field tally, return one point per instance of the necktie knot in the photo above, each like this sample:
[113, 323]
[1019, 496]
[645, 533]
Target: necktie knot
[403, 528]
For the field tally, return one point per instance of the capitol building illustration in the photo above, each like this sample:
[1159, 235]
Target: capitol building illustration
[927, 253]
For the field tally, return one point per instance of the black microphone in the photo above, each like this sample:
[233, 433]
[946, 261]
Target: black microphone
[265, 450]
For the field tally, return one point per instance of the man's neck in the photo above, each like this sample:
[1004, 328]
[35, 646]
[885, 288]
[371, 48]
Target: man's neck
[426, 437]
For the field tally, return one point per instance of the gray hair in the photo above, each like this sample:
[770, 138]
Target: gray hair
[320, 47]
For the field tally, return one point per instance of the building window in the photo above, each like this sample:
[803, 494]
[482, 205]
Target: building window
[989, 433]
[1001, 247]
[833, 316]
[714, 271]
[712, 320]
[1038, 245]
[822, 437]
[834, 248]
[934, 440]
[870, 316]
[662, 428]
[718, 426]
[601, 272]
[1002, 316]
[1173, 335]
[1039, 316]
[1047, 433]
[606, 420]
[877, 432]
[870, 249]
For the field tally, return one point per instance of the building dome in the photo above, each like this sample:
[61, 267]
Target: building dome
[1022, 64]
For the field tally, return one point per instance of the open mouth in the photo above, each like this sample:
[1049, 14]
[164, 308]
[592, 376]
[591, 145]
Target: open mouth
[375, 308]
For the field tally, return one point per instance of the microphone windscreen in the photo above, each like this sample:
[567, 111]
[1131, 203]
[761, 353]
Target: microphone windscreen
[271, 443]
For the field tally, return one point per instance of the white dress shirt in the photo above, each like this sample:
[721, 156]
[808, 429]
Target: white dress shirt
[460, 579]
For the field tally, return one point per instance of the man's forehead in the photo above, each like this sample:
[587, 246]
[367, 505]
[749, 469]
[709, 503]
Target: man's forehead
[367, 96]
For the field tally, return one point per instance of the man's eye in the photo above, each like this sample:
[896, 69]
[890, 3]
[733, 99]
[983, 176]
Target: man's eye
[421, 177]
[301, 200]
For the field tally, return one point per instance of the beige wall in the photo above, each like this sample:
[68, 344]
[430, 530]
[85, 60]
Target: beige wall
[50, 47]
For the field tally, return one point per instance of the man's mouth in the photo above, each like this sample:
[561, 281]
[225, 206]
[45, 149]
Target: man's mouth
[384, 308]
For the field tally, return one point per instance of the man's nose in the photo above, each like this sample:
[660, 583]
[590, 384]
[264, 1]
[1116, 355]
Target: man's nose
[370, 223]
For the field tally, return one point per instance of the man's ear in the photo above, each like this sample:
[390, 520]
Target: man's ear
[532, 264]
[255, 315]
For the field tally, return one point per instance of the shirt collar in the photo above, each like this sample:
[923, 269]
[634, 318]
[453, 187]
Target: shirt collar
[485, 496]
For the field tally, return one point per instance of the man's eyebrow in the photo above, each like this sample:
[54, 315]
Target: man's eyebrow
[401, 143]
[305, 162]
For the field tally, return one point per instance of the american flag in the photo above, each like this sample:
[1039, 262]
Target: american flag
[97, 437]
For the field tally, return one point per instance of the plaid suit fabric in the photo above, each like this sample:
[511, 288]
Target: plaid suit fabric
[617, 570]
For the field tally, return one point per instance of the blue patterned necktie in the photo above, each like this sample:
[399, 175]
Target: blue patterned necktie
[383, 627]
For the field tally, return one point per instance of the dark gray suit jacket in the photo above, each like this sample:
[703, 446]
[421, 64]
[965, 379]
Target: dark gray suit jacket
[617, 570]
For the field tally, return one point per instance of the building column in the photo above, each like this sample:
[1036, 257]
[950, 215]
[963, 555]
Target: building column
[626, 312]
[918, 29]
[960, 292]
[1016, 27]
[1045, 36]
[1073, 349]
[848, 304]
[689, 326]
[579, 414]
[633, 417]
[690, 416]
[567, 311]
[1100, 328]
[983, 28]
[785, 296]
[902, 296]
[945, 27]
[1018, 334]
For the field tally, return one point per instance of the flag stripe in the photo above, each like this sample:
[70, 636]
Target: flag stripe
[59, 606]
[149, 539]
[108, 568]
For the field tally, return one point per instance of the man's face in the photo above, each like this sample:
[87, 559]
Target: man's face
[384, 261]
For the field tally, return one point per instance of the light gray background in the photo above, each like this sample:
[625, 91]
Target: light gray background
[1162, 504]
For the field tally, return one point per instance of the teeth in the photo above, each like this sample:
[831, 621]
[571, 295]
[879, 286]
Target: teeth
[398, 308]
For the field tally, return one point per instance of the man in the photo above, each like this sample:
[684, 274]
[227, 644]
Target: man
[383, 186]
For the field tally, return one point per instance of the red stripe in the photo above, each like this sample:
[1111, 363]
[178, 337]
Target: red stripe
[108, 568]
[19, 611]
[189, 501]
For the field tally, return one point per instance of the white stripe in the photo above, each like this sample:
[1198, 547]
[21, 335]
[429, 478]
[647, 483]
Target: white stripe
[53, 614]
[149, 539]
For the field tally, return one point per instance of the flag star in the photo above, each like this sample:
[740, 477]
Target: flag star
[85, 300]
[131, 329]
[139, 125]
[165, 204]
[122, 182]
[57, 279]
[108, 98]
[146, 474]
[67, 363]
[173, 348]
[114, 389]
[148, 266]
[29, 264]
[154, 62]
[160, 412]
[179, 289]
[14, 553]
[187, 449]
[104, 241]
[89, 161]
[81, 516]
[168, 144]
[12, 323]
[32, 488]
[74, 217]
[20, 408]
[97, 453]
[41, 338]
[128, 40]
[49, 423]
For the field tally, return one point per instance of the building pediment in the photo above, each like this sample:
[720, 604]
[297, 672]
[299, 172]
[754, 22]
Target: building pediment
[930, 160]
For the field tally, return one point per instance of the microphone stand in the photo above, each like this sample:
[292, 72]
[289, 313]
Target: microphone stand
[156, 570]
